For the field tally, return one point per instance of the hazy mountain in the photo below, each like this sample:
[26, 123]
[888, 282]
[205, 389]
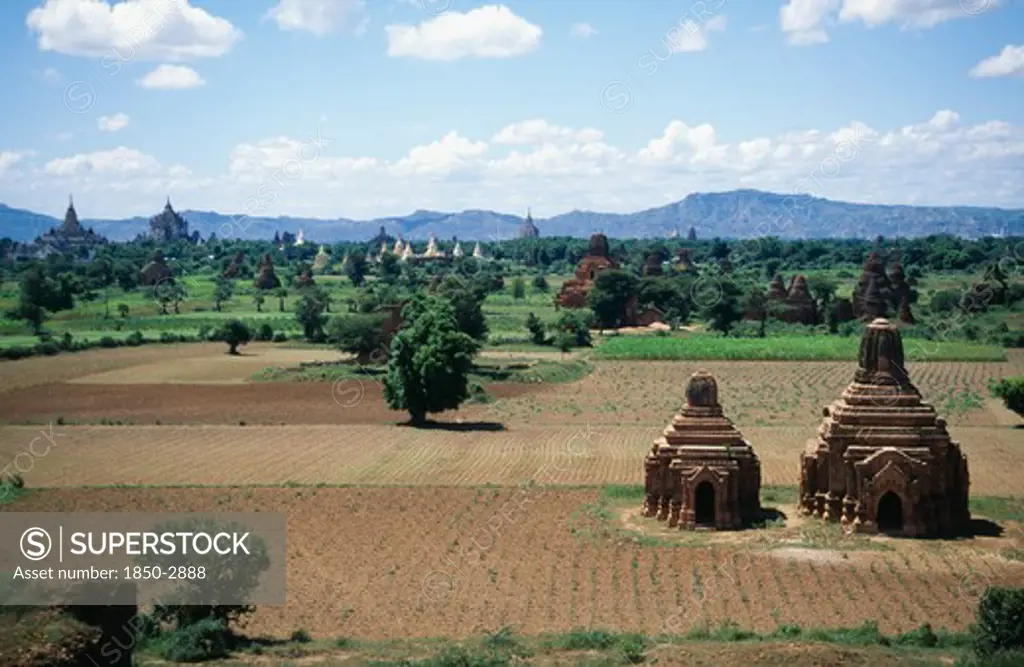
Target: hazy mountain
[736, 214]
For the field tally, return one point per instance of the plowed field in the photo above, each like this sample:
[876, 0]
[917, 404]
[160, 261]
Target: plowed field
[394, 562]
[377, 454]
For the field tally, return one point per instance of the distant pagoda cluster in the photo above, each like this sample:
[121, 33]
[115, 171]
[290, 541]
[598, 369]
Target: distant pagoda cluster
[405, 252]
[70, 238]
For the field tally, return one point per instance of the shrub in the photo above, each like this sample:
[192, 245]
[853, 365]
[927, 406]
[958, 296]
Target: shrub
[16, 352]
[197, 642]
[280, 337]
[538, 332]
[300, 636]
[266, 333]
[1000, 621]
[580, 639]
[1011, 390]
[167, 337]
[48, 348]
[134, 339]
[67, 341]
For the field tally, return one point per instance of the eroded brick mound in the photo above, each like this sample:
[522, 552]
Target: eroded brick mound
[267, 279]
[883, 460]
[156, 271]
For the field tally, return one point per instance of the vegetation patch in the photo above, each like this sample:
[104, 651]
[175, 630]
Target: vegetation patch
[795, 348]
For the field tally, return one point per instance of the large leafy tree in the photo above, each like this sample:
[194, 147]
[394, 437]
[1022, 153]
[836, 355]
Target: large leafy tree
[235, 333]
[467, 300]
[356, 268]
[310, 313]
[430, 360]
[612, 289]
[359, 334]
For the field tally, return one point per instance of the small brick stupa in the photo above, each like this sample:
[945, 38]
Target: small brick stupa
[883, 461]
[702, 472]
[267, 279]
[156, 271]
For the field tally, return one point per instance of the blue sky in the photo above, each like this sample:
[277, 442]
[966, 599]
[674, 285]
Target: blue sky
[358, 109]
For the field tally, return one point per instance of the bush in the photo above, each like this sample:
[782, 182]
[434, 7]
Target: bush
[48, 348]
[538, 332]
[134, 339]
[300, 636]
[67, 341]
[235, 333]
[107, 341]
[197, 642]
[16, 352]
[266, 333]
[280, 337]
[1011, 390]
[1000, 621]
[167, 337]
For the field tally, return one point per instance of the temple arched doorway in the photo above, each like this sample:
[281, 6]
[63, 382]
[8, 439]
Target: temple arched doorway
[704, 504]
[890, 513]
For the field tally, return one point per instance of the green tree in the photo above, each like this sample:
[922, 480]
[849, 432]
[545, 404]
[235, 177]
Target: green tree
[1000, 622]
[389, 270]
[356, 268]
[467, 301]
[575, 324]
[33, 299]
[235, 333]
[123, 309]
[430, 360]
[309, 311]
[608, 298]
[718, 301]
[258, 300]
[1011, 390]
[518, 288]
[540, 284]
[280, 293]
[564, 341]
[538, 332]
[360, 335]
[223, 290]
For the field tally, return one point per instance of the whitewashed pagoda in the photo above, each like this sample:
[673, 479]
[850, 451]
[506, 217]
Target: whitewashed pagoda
[477, 252]
[457, 251]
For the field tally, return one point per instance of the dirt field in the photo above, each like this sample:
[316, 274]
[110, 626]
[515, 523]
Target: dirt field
[458, 562]
[377, 454]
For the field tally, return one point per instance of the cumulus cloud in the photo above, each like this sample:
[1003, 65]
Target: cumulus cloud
[118, 121]
[538, 130]
[319, 17]
[583, 30]
[1009, 62]
[806, 22]
[172, 77]
[691, 36]
[493, 31]
[170, 30]
[937, 160]
[9, 158]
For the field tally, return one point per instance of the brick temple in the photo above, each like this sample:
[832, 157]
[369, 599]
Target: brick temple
[702, 473]
[883, 461]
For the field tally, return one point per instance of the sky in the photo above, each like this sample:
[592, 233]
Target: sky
[369, 108]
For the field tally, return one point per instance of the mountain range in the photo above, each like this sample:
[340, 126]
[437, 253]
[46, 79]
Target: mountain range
[734, 214]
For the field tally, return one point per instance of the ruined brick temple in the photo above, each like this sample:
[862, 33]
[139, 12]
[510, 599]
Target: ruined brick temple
[701, 472]
[883, 461]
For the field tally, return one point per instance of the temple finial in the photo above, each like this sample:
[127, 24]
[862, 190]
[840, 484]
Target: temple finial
[71, 201]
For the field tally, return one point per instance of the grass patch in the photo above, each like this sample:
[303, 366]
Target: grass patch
[527, 372]
[783, 348]
[998, 508]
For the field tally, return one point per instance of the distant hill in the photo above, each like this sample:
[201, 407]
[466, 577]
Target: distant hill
[735, 214]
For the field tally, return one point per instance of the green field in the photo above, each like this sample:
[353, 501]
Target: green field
[791, 348]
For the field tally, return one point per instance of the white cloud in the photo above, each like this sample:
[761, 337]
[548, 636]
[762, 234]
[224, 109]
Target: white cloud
[583, 30]
[538, 130]
[492, 31]
[937, 160]
[450, 153]
[691, 36]
[172, 77]
[1009, 62]
[319, 17]
[805, 22]
[171, 30]
[120, 160]
[118, 121]
[9, 158]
